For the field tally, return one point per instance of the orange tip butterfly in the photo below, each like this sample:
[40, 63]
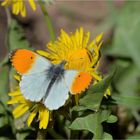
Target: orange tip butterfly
[43, 81]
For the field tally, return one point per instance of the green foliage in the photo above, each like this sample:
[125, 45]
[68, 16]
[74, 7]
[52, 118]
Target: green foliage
[94, 95]
[96, 119]
[129, 101]
[15, 40]
[94, 114]
[126, 40]
[125, 50]
[134, 137]
[4, 82]
[107, 136]
[92, 101]
[112, 119]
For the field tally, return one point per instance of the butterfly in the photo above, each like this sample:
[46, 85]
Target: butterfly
[46, 82]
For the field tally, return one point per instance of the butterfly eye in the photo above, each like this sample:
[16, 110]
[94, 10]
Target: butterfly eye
[31, 57]
[79, 76]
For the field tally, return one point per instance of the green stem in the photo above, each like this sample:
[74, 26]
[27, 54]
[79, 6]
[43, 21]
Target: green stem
[41, 135]
[99, 128]
[48, 21]
[76, 99]
[54, 134]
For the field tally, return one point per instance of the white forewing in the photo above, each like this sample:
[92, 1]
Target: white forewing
[34, 86]
[40, 65]
[57, 96]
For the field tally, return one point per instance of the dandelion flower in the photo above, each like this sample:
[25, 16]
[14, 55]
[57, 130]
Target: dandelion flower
[18, 6]
[77, 50]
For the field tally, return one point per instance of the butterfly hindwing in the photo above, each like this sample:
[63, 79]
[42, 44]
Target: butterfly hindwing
[34, 86]
[57, 96]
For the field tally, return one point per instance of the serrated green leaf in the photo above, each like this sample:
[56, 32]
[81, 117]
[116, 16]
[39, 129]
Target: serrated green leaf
[94, 96]
[91, 123]
[101, 86]
[78, 108]
[105, 114]
[112, 119]
[91, 101]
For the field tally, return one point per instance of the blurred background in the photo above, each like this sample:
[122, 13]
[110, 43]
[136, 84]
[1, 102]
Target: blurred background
[120, 22]
[94, 16]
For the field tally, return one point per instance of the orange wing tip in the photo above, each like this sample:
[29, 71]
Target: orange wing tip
[83, 90]
[82, 82]
[22, 60]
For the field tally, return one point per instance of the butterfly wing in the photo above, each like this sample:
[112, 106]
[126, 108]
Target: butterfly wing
[76, 81]
[73, 81]
[27, 62]
[35, 81]
[57, 96]
[34, 86]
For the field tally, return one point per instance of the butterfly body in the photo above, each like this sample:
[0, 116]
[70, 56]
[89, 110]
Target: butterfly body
[43, 81]
[55, 73]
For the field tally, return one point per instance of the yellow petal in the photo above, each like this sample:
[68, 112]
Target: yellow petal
[20, 110]
[32, 116]
[108, 92]
[32, 4]
[98, 37]
[92, 45]
[81, 35]
[44, 118]
[23, 9]
[96, 76]
[17, 77]
[17, 99]
[16, 8]
[64, 37]
[15, 93]
[100, 44]
[43, 53]
[6, 3]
